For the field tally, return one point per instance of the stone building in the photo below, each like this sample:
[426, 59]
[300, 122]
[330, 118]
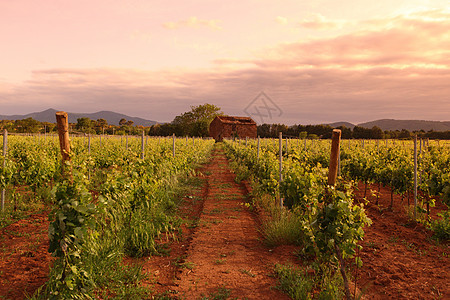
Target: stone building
[228, 126]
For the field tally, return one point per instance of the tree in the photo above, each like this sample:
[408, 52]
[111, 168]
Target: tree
[377, 133]
[122, 122]
[84, 124]
[196, 122]
[28, 125]
[100, 125]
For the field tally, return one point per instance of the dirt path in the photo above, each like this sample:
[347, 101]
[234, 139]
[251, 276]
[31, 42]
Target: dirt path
[226, 255]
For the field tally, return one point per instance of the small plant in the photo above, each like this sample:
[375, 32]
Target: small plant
[441, 227]
[247, 272]
[221, 294]
[220, 261]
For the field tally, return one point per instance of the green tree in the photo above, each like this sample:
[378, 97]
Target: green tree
[196, 122]
[100, 125]
[28, 125]
[84, 125]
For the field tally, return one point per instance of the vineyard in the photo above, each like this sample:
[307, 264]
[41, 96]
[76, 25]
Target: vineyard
[116, 202]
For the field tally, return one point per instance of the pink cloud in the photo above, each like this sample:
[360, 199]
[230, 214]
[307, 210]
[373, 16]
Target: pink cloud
[194, 22]
[319, 22]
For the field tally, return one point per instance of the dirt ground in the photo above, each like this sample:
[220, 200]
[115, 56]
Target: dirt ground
[219, 251]
[24, 259]
[223, 253]
[400, 259]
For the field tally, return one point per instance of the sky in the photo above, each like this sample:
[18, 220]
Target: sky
[284, 61]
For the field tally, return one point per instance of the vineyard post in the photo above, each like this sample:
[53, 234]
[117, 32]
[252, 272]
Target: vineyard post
[339, 162]
[280, 179]
[142, 145]
[173, 144]
[257, 152]
[332, 176]
[287, 146]
[89, 144]
[62, 121]
[304, 142]
[5, 146]
[126, 142]
[193, 141]
[186, 140]
[418, 160]
[246, 141]
[415, 176]
[89, 153]
[334, 157]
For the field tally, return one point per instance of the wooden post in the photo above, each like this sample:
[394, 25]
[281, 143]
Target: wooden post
[415, 176]
[332, 171]
[280, 179]
[173, 142]
[62, 121]
[287, 146]
[142, 145]
[126, 142]
[89, 144]
[257, 152]
[5, 147]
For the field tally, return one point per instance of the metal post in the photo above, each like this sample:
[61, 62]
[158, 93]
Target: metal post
[257, 152]
[415, 176]
[142, 145]
[5, 146]
[280, 179]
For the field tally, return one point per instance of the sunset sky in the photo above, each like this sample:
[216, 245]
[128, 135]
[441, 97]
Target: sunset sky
[318, 61]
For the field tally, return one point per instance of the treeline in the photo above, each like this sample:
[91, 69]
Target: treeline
[83, 125]
[196, 123]
[324, 132]
[192, 123]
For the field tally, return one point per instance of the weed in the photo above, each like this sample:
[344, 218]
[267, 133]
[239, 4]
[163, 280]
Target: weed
[247, 272]
[221, 294]
[220, 261]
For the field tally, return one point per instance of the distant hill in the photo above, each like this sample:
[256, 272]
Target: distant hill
[112, 118]
[410, 125]
[338, 124]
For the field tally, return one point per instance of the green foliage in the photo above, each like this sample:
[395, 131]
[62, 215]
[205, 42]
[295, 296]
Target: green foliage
[441, 227]
[196, 122]
[295, 282]
[116, 204]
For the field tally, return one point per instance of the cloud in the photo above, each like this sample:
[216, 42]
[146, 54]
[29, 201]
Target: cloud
[281, 20]
[193, 22]
[319, 22]
[399, 42]
[397, 69]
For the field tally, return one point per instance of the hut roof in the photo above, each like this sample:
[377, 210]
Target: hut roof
[236, 120]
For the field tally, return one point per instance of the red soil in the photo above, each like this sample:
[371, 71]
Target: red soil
[24, 259]
[220, 247]
[400, 259]
[225, 252]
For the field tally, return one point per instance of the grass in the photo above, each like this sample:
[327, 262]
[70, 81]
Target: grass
[221, 294]
[284, 228]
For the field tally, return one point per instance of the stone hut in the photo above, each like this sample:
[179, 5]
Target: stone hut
[228, 126]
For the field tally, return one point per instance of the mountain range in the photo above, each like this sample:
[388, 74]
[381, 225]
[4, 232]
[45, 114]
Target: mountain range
[391, 124]
[112, 118]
